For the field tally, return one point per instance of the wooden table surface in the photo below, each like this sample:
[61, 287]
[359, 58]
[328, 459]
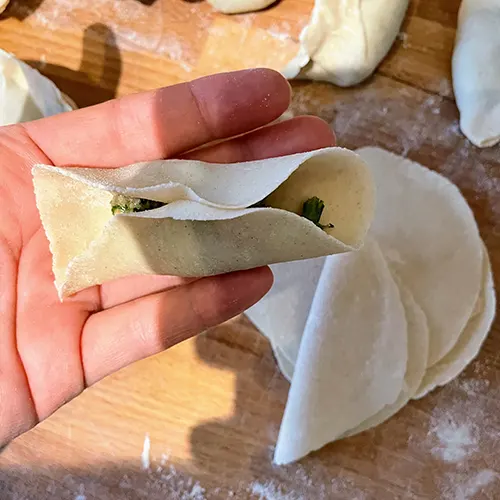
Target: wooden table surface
[212, 406]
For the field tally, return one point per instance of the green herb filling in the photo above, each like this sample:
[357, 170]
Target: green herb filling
[121, 204]
[312, 210]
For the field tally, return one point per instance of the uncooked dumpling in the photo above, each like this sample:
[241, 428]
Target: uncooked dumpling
[346, 40]
[200, 219]
[25, 94]
[476, 71]
[239, 6]
[428, 234]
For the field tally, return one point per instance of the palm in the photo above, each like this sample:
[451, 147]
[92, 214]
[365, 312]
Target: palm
[44, 335]
[51, 350]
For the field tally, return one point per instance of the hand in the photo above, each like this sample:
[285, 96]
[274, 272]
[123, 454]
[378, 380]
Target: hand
[51, 351]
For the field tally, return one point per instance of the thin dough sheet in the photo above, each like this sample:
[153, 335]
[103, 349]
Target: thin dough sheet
[208, 224]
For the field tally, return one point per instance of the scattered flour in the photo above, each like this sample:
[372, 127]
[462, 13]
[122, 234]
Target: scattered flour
[467, 487]
[280, 32]
[81, 495]
[403, 38]
[270, 491]
[146, 453]
[456, 441]
[134, 25]
[473, 387]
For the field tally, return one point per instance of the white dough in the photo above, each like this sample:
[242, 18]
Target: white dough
[239, 6]
[352, 358]
[285, 365]
[476, 71]
[208, 224]
[429, 236]
[3, 5]
[418, 345]
[471, 339]
[283, 314]
[25, 94]
[333, 320]
[346, 40]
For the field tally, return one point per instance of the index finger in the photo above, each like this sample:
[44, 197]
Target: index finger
[165, 122]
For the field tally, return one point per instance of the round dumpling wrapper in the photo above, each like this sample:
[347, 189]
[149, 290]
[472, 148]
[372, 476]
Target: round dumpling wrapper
[471, 339]
[428, 234]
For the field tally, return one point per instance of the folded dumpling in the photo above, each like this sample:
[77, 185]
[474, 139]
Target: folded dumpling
[346, 40]
[25, 94]
[476, 71]
[190, 218]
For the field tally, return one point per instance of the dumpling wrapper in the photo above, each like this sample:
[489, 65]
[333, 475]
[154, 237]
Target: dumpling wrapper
[346, 40]
[428, 234]
[206, 227]
[470, 340]
[352, 357]
[285, 365]
[283, 313]
[342, 353]
[418, 346]
[287, 295]
[25, 94]
[239, 6]
[476, 71]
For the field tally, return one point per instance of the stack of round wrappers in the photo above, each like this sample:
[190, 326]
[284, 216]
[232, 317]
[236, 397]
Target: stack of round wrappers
[360, 334]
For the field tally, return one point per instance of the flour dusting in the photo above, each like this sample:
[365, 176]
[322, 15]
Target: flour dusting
[456, 441]
[81, 495]
[270, 491]
[466, 487]
[280, 31]
[135, 26]
[146, 453]
[473, 387]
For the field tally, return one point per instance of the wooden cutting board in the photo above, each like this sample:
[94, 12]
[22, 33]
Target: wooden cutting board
[213, 405]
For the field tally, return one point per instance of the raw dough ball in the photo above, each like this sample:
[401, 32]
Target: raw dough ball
[25, 94]
[476, 71]
[346, 40]
[239, 6]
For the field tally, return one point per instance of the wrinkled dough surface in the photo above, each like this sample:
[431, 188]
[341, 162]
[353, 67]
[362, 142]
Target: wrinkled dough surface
[206, 226]
[345, 40]
[476, 71]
